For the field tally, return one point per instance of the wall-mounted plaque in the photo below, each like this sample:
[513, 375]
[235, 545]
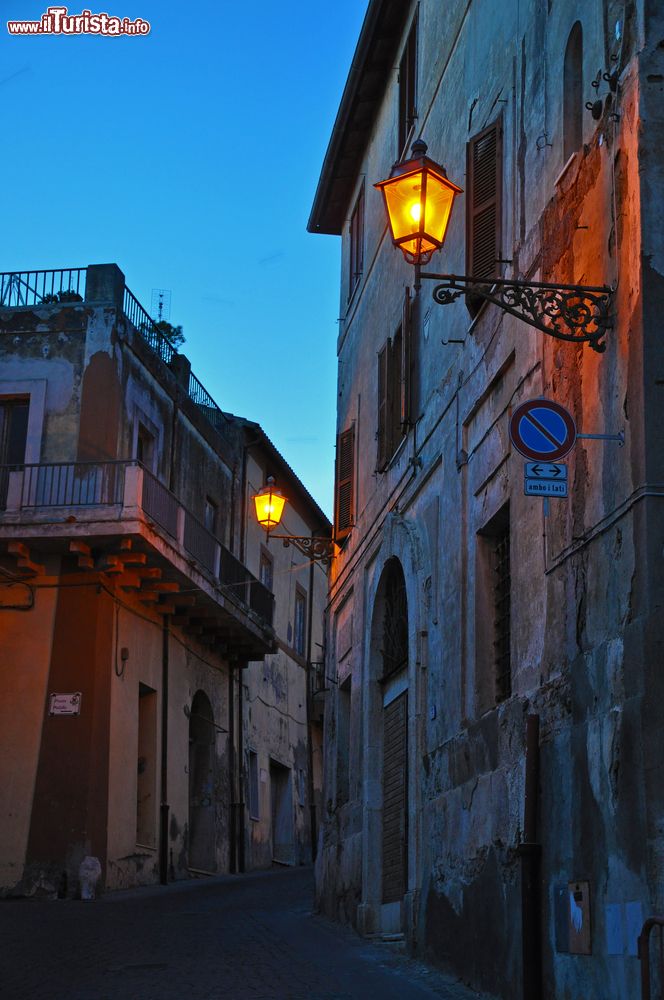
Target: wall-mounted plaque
[65, 704]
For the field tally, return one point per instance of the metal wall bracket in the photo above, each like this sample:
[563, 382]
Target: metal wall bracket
[319, 549]
[576, 313]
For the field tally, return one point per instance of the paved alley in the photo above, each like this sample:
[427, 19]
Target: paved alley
[250, 937]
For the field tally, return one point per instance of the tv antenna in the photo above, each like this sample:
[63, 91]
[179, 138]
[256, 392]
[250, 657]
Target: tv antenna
[161, 304]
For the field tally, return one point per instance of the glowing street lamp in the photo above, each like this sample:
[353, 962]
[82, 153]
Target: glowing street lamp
[269, 503]
[418, 199]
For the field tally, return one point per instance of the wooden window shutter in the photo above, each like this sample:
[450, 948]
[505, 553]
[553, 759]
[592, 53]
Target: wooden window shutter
[405, 409]
[344, 493]
[484, 207]
[383, 408]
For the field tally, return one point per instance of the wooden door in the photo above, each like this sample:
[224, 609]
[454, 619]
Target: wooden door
[395, 798]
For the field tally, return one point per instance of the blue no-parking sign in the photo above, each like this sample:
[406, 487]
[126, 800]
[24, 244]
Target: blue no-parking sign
[542, 430]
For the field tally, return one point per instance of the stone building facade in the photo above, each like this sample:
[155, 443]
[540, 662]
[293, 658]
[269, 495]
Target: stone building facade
[135, 612]
[493, 772]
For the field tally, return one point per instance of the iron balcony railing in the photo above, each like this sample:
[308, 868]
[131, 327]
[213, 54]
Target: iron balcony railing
[159, 503]
[34, 288]
[67, 484]
[102, 484]
[200, 543]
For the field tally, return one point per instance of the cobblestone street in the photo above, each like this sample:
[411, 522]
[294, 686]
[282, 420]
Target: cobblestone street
[242, 937]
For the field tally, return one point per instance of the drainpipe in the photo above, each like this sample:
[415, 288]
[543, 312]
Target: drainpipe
[171, 468]
[240, 771]
[309, 705]
[231, 773]
[164, 810]
[530, 852]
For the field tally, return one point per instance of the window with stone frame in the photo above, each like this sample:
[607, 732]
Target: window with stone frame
[211, 515]
[493, 612]
[484, 197]
[356, 234]
[266, 569]
[300, 622]
[13, 439]
[146, 447]
[407, 90]
[573, 92]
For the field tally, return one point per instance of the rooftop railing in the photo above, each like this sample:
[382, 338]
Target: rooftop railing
[147, 328]
[165, 350]
[34, 288]
[23, 289]
[204, 401]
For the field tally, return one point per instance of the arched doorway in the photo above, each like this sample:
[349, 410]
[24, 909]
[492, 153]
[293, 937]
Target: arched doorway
[202, 853]
[393, 623]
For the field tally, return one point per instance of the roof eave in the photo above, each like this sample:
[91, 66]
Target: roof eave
[372, 64]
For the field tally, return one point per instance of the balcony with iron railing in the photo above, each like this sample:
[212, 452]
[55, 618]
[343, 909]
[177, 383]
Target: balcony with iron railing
[96, 508]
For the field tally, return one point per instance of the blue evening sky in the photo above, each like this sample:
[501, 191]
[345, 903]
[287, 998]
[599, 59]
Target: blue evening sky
[190, 158]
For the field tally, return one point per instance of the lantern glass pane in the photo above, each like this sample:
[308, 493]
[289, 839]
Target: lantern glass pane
[269, 508]
[418, 246]
[440, 196]
[403, 197]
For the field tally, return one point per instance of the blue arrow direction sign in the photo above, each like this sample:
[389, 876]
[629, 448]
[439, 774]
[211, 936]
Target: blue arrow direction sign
[546, 470]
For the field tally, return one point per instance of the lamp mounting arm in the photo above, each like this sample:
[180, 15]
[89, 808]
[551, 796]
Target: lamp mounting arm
[319, 549]
[576, 313]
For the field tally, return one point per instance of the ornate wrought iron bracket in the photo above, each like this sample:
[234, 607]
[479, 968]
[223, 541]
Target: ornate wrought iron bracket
[577, 313]
[319, 549]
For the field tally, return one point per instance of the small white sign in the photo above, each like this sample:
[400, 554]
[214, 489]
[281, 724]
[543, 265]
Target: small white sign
[65, 704]
[544, 488]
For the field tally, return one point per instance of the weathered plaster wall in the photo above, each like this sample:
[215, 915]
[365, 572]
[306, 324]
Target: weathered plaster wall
[131, 862]
[585, 579]
[47, 345]
[90, 380]
[25, 653]
[275, 690]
